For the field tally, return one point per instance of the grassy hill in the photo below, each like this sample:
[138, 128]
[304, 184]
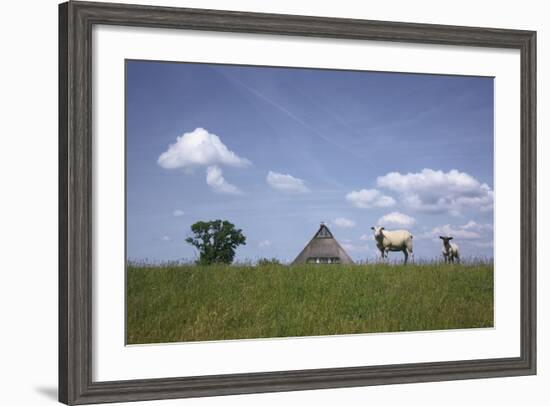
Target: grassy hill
[173, 303]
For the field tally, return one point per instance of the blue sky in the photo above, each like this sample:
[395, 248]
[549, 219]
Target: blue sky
[278, 150]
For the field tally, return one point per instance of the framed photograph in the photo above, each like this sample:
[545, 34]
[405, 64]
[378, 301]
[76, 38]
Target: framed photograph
[257, 202]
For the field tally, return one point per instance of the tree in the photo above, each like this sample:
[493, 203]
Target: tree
[268, 261]
[216, 241]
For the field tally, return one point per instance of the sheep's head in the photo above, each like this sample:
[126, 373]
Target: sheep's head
[377, 231]
[446, 239]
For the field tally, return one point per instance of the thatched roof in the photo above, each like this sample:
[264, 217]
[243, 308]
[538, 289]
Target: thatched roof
[323, 248]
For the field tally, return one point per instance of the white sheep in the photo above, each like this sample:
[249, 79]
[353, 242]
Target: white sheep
[397, 240]
[450, 250]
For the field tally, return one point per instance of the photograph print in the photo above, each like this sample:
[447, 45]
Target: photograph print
[269, 202]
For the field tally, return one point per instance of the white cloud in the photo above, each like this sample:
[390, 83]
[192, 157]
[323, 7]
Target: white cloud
[178, 213]
[264, 243]
[472, 225]
[166, 238]
[396, 219]
[215, 179]
[355, 248]
[367, 237]
[286, 183]
[199, 148]
[439, 192]
[368, 198]
[469, 231]
[456, 232]
[343, 222]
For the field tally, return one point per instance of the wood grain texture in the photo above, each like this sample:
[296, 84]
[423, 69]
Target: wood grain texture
[76, 20]
[63, 118]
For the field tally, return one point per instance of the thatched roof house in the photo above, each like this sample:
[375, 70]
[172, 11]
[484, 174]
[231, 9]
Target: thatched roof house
[323, 249]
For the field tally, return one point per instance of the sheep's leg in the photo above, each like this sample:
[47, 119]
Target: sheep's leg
[406, 256]
[382, 251]
[409, 248]
[412, 255]
[458, 259]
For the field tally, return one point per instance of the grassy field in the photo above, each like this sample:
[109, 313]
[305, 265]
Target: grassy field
[189, 303]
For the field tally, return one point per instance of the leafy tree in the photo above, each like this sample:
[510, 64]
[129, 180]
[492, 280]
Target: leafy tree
[268, 261]
[216, 241]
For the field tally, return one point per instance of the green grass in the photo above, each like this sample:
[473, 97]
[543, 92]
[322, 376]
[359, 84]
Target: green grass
[189, 303]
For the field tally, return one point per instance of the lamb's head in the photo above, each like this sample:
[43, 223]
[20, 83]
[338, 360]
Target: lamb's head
[378, 234]
[446, 239]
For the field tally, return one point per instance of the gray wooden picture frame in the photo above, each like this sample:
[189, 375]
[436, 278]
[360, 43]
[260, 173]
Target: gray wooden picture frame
[76, 20]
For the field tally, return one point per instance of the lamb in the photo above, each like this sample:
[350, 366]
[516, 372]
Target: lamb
[450, 250]
[397, 240]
